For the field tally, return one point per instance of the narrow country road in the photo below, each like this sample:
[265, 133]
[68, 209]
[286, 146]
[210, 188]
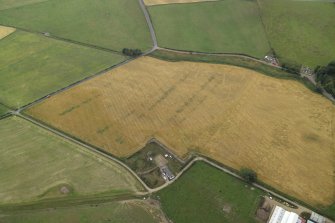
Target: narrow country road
[151, 27]
[217, 54]
[83, 145]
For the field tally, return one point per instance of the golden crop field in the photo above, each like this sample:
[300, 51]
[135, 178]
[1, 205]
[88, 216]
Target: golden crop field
[237, 116]
[161, 2]
[5, 31]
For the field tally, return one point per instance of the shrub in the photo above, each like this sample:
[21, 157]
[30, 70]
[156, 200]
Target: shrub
[132, 52]
[248, 175]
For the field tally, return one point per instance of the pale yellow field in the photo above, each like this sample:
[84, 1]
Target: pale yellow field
[164, 2]
[236, 116]
[5, 31]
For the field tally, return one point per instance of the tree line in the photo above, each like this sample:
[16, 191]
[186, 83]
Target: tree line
[325, 77]
[131, 52]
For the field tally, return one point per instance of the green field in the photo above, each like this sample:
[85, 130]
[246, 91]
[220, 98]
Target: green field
[35, 164]
[3, 110]
[7, 4]
[301, 32]
[229, 26]
[32, 66]
[202, 193]
[112, 24]
[120, 212]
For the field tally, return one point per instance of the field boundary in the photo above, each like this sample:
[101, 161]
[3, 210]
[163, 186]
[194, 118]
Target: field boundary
[15, 7]
[267, 69]
[48, 35]
[101, 72]
[63, 202]
[184, 3]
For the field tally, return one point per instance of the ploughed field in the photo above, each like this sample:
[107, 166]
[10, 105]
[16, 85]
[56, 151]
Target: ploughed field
[36, 164]
[237, 116]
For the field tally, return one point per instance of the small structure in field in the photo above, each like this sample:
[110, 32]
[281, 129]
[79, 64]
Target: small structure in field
[271, 59]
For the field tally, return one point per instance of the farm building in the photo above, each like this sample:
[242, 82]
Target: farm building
[280, 215]
[317, 218]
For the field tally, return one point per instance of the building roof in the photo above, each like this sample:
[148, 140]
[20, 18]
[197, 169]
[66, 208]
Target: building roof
[280, 215]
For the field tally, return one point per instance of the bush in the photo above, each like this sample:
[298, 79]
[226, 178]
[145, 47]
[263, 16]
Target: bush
[292, 68]
[132, 52]
[248, 175]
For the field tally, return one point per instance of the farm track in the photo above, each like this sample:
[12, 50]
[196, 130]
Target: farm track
[323, 91]
[64, 136]
[150, 25]
[72, 85]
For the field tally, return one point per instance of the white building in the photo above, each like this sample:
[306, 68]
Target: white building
[280, 215]
[317, 218]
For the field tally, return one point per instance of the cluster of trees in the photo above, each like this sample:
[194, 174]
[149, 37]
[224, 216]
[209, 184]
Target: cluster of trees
[132, 52]
[325, 76]
[248, 175]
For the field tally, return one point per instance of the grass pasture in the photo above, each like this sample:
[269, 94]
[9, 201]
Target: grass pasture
[202, 194]
[7, 4]
[5, 31]
[113, 24]
[3, 110]
[234, 115]
[230, 26]
[120, 212]
[301, 32]
[36, 165]
[32, 66]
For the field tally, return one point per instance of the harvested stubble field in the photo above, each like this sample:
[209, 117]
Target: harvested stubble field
[33, 66]
[36, 164]
[5, 31]
[163, 2]
[237, 116]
